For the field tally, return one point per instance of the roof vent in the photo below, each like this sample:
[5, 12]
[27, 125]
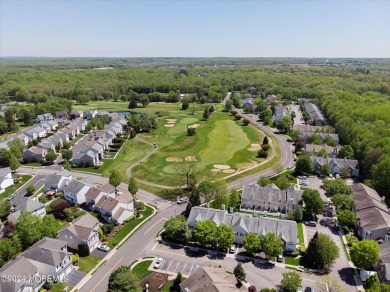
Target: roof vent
[223, 207]
[231, 210]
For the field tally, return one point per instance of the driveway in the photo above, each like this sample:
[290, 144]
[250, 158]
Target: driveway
[74, 278]
[99, 253]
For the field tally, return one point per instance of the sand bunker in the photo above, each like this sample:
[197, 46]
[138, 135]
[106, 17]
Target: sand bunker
[221, 166]
[255, 147]
[169, 125]
[171, 121]
[174, 159]
[190, 158]
[228, 170]
[215, 170]
[194, 126]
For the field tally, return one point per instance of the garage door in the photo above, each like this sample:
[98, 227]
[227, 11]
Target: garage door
[68, 270]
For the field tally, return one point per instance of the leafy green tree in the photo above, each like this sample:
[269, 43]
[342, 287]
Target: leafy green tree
[268, 290]
[265, 140]
[13, 162]
[144, 100]
[191, 131]
[16, 147]
[220, 194]
[122, 279]
[271, 245]
[342, 201]
[30, 190]
[282, 182]
[313, 203]
[228, 105]
[176, 230]
[115, 179]
[380, 175]
[206, 113]
[66, 165]
[291, 281]
[204, 232]
[245, 122]
[346, 218]
[239, 273]
[224, 236]
[262, 154]
[185, 105]
[265, 147]
[234, 198]
[50, 156]
[336, 186]
[176, 283]
[5, 208]
[29, 228]
[206, 190]
[346, 151]
[304, 165]
[372, 282]
[284, 125]
[251, 243]
[263, 181]
[50, 226]
[67, 154]
[365, 254]
[325, 170]
[9, 249]
[321, 252]
[133, 187]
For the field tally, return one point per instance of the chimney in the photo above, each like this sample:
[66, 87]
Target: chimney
[231, 210]
[223, 207]
[383, 199]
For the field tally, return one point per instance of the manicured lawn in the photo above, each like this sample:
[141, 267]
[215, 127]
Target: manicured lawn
[168, 286]
[11, 189]
[141, 269]
[58, 287]
[300, 237]
[220, 140]
[292, 261]
[131, 152]
[86, 264]
[113, 241]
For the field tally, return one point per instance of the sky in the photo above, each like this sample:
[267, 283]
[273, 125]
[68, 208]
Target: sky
[197, 28]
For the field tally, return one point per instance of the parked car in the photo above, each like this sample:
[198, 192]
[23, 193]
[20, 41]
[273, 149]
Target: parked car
[299, 290]
[280, 258]
[337, 175]
[103, 247]
[158, 263]
[232, 248]
[308, 289]
[182, 200]
[10, 197]
[311, 223]
[330, 175]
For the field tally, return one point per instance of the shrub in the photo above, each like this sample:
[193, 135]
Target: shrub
[83, 250]
[59, 194]
[43, 199]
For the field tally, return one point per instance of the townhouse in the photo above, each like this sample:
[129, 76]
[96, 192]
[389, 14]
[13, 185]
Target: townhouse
[243, 224]
[22, 204]
[44, 117]
[314, 149]
[336, 165]
[314, 113]
[75, 191]
[57, 181]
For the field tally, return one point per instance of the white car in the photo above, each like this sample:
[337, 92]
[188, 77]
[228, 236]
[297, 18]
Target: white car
[182, 200]
[158, 263]
[337, 175]
[330, 175]
[232, 248]
[103, 247]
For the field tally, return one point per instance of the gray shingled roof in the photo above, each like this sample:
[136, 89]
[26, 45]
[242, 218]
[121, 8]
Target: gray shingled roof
[74, 186]
[23, 204]
[47, 250]
[83, 226]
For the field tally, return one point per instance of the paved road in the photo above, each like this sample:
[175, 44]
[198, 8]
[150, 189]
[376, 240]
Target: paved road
[286, 158]
[37, 182]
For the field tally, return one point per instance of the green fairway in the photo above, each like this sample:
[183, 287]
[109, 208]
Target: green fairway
[220, 140]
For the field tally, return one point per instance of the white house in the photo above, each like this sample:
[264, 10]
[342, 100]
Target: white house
[58, 180]
[6, 179]
[75, 192]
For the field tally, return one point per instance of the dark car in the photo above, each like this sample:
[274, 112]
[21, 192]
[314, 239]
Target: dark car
[308, 289]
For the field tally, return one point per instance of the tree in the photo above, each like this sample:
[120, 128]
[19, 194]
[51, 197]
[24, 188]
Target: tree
[5, 208]
[325, 170]
[293, 114]
[284, 125]
[323, 153]
[271, 245]
[372, 282]
[50, 226]
[133, 187]
[211, 109]
[205, 190]
[189, 170]
[27, 118]
[321, 252]
[122, 279]
[206, 114]
[220, 194]
[176, 283]
[263, 181]
[30, 190]
[191, 131]
[251, 243]
[262, 154]
[365, 254]
[268, 290]
[346, 218]
[265, 147]
[228, 105]
[282, 182]
[50, 156]
[185, 105]
[66, 165]
[224, 236]
[313, 203]
[304, 165]
[239, 273]
[336, 186]
[291, 281]
[329, 284]
[342, 201]
[176, 230]
[204, 232]
[9, 249]
[13, 162]
[16, 147]
[144, 100]
[245, 122]
[252, 289]
[66, 145]
[29, 228]
[380, 175]
[346, 151]
[234, 198]
[115, 179]
[132, 103]
[67, 154]
[265, 140]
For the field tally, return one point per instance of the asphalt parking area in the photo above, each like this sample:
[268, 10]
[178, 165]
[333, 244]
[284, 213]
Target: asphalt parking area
[310, 231]
[175, 266]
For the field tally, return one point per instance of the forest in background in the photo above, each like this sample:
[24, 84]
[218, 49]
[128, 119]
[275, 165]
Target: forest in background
[354, 94]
